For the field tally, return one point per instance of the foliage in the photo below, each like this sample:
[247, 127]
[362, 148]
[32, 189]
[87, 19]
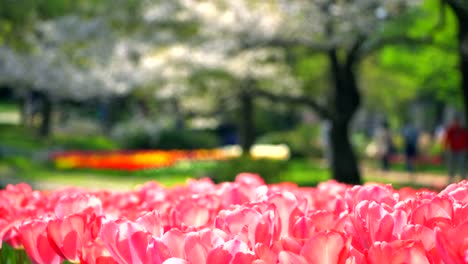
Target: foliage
[417, 70]
[187, 139]
[9, 255]
[303, 141]
[22, 139]
[152, 137]
[225, 171]
[93, 142]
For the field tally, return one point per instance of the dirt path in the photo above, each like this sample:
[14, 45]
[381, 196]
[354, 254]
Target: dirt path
[436, 181]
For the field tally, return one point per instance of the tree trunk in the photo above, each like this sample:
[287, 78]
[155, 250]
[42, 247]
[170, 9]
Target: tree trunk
[46, 114]
[23, 105]
[247, 127]
[179, 117]
[461, 14]
[463, 53]
[344, 162]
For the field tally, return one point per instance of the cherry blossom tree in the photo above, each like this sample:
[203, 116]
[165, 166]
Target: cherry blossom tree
[345, 31]
[206, 79]
[92, 53]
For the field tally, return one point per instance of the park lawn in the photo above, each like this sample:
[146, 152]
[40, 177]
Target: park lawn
[7, 107]
[20, 146]
[419, 168]
[422, 168]
[22, 140]
[301, 171]
[45, 176]
[305, 172]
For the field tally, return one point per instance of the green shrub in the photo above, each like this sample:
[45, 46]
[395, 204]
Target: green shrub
[303, 141]
[170, 139]
[270, 170]
[75, 142]
[187, 139]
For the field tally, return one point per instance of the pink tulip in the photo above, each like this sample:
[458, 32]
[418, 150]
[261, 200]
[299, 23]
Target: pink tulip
[381, 194]
[152, 222]
[197, 245]
[286, 257]
[266, 254]
[233, 251]
[78, 203]
[34, 239]
[95, 252]
[66, 236]
[174, 240]
[397, 252]
[419, 233]
[244, 221]
[129, 243]
[286, 204]
[175, 261]
[371, 223]
[327, 247]
[438, 211]
[452, 243]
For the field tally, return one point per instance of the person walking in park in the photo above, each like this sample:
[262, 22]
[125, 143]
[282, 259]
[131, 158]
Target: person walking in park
[410, 137]
[384, 142]
[456, 146]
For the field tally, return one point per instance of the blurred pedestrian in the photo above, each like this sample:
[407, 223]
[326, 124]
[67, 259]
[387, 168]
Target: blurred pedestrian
[456, 146]
[384, 143]
[410, 138]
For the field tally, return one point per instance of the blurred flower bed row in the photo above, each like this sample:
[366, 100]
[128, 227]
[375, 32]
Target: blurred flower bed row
[245, 221]
[146, 159]
[133, 160]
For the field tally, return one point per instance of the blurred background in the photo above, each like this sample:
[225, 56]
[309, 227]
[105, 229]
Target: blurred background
[110, 94]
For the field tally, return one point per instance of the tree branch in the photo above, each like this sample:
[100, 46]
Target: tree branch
[303, 100]
[288, 43]
[353, 54]
[457, 6]
[428, 39]
[404, 40]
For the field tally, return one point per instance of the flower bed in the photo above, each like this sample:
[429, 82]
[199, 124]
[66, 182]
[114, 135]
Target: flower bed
[244, 221]
[132, 160]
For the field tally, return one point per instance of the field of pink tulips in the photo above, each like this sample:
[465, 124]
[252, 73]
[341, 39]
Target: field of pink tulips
[244, 221]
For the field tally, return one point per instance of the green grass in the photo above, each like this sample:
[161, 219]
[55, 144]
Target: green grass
[22, 143]
[44, 175]
[20, 138]
[419, 168]
[427, 168]
[305, 172]
[8, 107]
[24, 139]
[9, 255]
